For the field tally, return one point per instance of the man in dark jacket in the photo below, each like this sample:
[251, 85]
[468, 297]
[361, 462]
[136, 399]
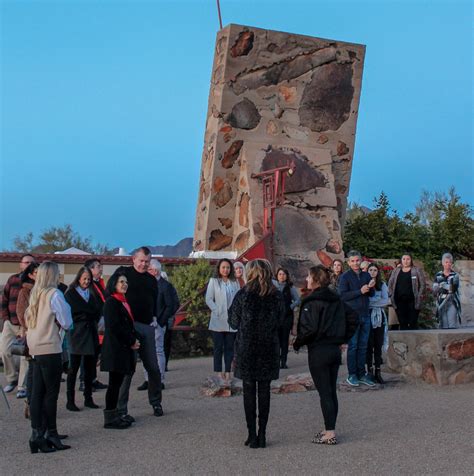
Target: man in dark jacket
[141, 295]
[355, 287]
[164, 311]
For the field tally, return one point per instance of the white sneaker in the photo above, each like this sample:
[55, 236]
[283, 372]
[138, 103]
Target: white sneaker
[9, 388]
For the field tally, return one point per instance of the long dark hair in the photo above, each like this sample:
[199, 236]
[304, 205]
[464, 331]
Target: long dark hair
[288, 281]
[30, 269]
[378, 279]
[113, 280]
[217, 270]
[82, 270]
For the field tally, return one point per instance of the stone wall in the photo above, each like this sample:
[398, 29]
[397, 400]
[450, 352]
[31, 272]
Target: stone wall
[277, 98]
[438, 356]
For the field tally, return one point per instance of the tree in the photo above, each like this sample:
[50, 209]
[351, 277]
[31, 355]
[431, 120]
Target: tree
[57, 239]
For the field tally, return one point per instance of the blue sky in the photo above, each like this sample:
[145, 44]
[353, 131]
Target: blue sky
[103, 106]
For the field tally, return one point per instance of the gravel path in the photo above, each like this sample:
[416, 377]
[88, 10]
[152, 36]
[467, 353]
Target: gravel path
[409, 428]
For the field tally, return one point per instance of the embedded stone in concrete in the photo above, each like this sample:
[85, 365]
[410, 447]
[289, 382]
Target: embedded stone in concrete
[244, 115]
[232, 154]
[437, 356]
[243, 44]
[226, 222]
[218, 241]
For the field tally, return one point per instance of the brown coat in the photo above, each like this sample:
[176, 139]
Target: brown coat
[23, 303]
[417, 282]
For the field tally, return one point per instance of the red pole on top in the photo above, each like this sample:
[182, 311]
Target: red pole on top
[219, 12]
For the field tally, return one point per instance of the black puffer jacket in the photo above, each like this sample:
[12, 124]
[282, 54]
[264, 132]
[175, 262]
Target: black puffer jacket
[324, 319]
[257, 319]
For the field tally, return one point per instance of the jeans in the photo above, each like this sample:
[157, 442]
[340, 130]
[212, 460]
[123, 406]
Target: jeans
[147, 351]
[47, 371]
[160, 333]
[223, 345]
[357, 348]
[89, 368]
[374, 347]
[284, 338]
[324, 362]
[113, 390]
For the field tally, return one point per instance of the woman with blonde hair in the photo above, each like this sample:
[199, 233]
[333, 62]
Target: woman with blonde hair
[47, 317]
[239, 271]
[257, 313]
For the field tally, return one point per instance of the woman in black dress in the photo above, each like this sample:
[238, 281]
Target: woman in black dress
[118, 348]
[83, 338]
[256, 313]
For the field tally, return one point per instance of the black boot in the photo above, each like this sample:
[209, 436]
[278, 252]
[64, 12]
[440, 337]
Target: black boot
[89, 403]
[113, 421]
[378, 377]
[39, 443]
[263, 411]
[71, 405]
[262, 436]
[370, 370]
[250, 407]
[54, 440]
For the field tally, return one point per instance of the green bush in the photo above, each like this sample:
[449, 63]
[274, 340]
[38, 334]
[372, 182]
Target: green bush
[189, 282]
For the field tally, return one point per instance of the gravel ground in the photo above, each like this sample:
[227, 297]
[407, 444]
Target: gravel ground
[408, 428]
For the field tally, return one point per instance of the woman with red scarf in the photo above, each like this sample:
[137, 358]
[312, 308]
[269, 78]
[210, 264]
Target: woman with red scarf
[118, 348]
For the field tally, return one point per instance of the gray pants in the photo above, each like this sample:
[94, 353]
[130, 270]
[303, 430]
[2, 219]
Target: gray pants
[147, 351]
[448, 317]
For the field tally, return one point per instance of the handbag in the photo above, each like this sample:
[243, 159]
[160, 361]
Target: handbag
[19, 347]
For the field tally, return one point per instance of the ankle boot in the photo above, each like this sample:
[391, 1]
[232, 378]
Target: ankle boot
[262, 437]
[54, 440]
[89, 403]
[113, 421]
[378, 377]
[71, 405]
[38, 442]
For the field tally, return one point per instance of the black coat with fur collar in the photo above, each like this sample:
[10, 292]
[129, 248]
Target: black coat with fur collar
[257, 319]
[324, 319]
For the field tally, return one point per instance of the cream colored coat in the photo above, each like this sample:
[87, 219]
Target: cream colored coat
[216, 300]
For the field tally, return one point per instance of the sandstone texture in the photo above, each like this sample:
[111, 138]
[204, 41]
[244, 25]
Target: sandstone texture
[437, 356]
[277, 99]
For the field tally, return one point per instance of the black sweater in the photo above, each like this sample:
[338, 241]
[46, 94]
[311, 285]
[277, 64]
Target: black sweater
[141, 294]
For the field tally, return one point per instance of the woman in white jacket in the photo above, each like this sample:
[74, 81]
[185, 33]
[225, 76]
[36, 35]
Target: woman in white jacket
[379, 325]
[219, 296]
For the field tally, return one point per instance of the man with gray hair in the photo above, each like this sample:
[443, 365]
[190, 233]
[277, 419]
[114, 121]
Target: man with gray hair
[164, 311]
[355, 287]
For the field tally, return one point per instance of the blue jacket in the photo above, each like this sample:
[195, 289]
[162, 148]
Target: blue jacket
[349, 289]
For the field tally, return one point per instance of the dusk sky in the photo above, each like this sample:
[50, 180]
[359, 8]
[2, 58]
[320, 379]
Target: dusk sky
[103, 106]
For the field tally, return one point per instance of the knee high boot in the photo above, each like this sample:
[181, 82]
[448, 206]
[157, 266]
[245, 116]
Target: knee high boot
[250, 407]
[263, 412]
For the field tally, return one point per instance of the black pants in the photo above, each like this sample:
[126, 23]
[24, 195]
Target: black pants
[89, 369]
[147, 352]
[94, 375]
[407, 314]
[167, 343]
[29, 381]
[284, 337]
[251, 389]
[223, 345]
[47, 370]
[324, 362]
[112, 394]
[374, 347]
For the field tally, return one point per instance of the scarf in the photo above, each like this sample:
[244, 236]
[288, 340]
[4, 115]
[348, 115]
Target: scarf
[98, 286]
[123, 300]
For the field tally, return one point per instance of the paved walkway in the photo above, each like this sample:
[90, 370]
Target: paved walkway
[406, 429]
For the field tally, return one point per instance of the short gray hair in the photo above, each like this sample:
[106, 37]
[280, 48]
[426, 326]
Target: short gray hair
[447, 256]
[154, 263]
[354, 253]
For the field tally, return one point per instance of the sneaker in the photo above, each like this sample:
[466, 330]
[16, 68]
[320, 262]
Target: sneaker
[353, 381]
[157, 410]
[99, 385]
[21, 394]
[367, 380]
[143, 386]
[10, 387]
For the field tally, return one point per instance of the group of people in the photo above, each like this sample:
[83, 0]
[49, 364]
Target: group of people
[64, 328]
[252, 313]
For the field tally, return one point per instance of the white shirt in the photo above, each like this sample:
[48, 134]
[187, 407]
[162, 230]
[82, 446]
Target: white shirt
[62, 310]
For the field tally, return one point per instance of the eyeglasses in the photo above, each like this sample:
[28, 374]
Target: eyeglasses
[26, 262]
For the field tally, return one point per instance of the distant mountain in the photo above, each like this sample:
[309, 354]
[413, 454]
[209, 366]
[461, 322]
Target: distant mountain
[180, 249]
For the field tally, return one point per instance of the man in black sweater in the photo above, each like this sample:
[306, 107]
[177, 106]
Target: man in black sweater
[141, 296]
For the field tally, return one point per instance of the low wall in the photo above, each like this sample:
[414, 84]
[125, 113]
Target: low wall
[437, 356]
[466, 274]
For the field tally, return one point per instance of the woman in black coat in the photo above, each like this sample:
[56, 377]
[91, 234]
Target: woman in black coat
[83, 339]
[325, 324]
[256, 313]
[118, 347]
